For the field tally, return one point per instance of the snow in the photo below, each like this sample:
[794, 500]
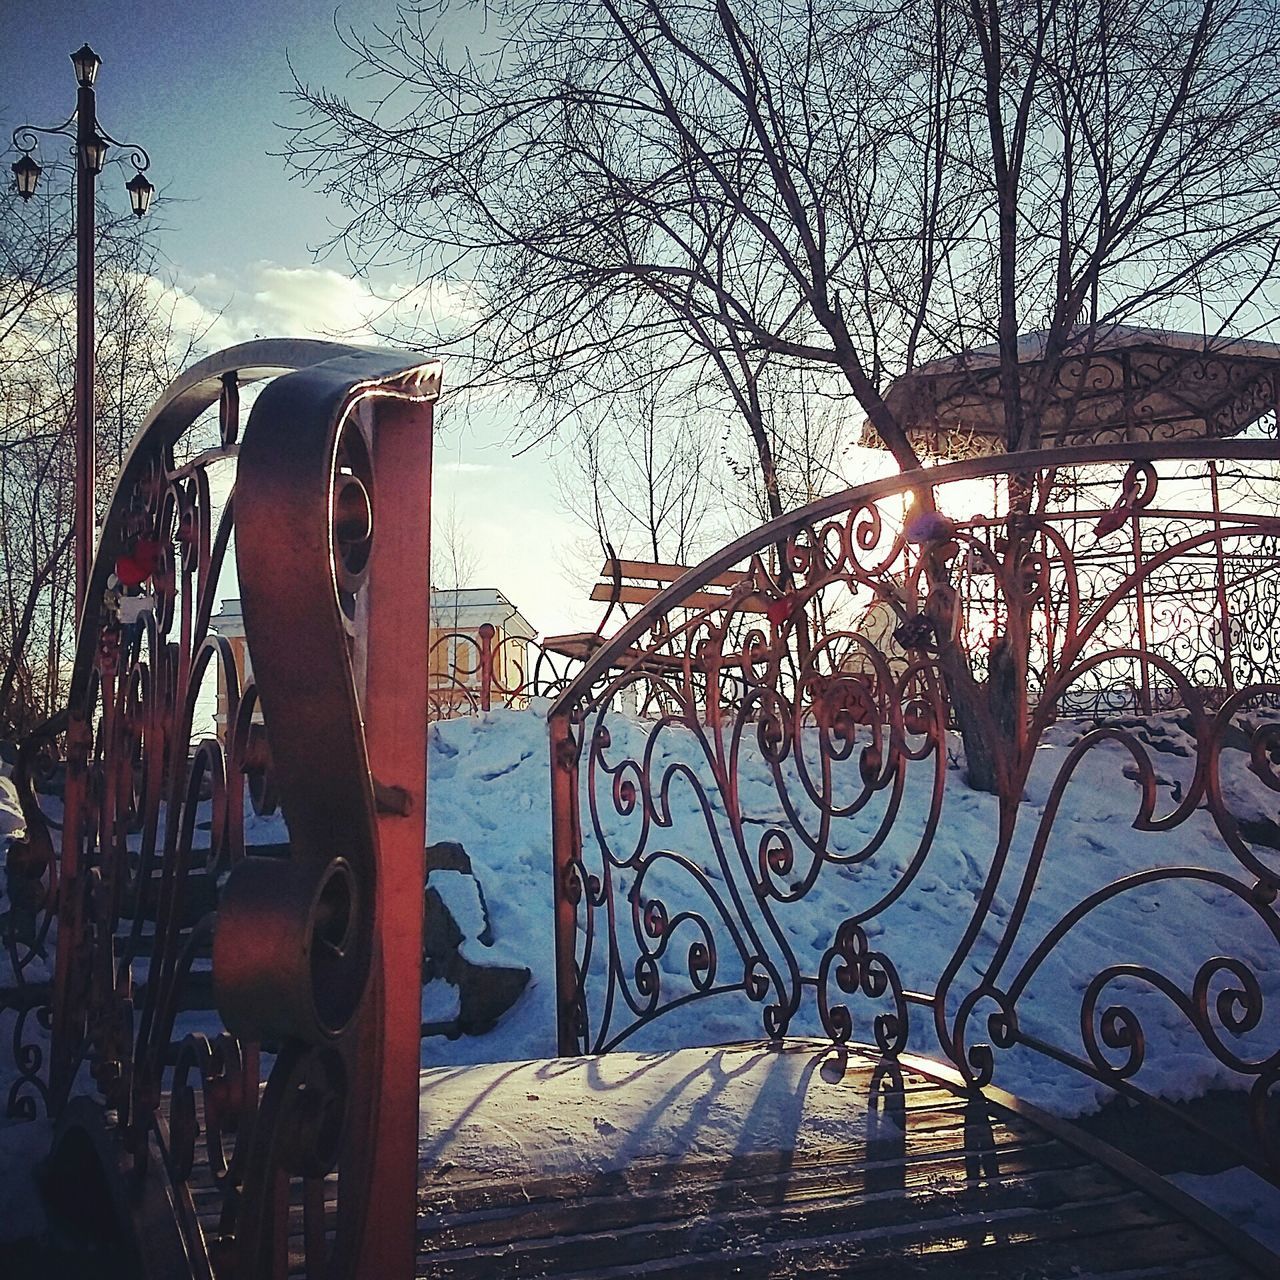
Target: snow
[489, 791]
[1240, 1196]
[580, 1115]
[12, 822]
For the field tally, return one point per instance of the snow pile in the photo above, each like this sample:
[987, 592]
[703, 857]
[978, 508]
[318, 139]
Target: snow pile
[12, 822]
[489, 790]
[597, 1115]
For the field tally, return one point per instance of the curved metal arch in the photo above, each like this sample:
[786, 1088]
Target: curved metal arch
[815, 513]
[199, 388]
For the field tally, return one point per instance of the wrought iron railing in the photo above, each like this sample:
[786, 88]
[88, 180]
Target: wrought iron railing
[473, 671]
[801, 759]
[217, 1022]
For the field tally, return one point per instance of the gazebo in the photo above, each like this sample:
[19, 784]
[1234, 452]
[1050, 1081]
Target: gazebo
[1111, 384]
[1114, 385]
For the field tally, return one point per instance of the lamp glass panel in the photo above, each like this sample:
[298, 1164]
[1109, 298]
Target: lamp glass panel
[86, 63]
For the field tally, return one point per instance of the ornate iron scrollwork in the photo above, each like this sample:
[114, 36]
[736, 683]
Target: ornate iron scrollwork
[227, 999]
[1141, 620]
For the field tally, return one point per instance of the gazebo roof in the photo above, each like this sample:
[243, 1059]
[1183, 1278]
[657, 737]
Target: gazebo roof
[1114, 383]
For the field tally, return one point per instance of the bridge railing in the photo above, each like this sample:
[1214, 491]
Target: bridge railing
[209, 1010]
[1113, 660]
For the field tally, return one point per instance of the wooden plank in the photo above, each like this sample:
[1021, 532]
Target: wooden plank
[694, 600]
[663, 572]
[944, 1185]
[1017, 1208]
[677, 1197]
[1164, 1250]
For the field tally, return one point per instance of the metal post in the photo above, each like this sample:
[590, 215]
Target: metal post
[91, 144]
[566, 851]
[85, 487]
[396, 733]
[1140, 606]
[486, 665]
[1220, 584]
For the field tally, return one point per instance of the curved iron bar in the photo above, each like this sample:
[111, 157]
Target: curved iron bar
[30, 132]
[1122, 611]
[157, 891]
[138, 155]
[480, 671]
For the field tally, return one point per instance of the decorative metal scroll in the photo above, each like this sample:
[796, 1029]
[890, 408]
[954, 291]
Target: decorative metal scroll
[217, 981]
[807, 757]
[476, 671]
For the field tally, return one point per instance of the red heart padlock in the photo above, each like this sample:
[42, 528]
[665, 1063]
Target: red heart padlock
[137, 565]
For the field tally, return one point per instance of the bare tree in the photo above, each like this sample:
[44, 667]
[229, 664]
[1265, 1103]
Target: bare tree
[842, 189]
[454, 561]
[138, 350]
[639, 475]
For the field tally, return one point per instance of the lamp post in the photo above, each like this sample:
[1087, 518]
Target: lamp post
[90, 150]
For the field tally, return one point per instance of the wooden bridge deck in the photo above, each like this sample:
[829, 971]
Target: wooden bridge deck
[800, 1161]
[670, 1165]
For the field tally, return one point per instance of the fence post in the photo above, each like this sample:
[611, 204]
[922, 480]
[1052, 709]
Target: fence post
[395, 692]
[486, 665]
[1220, 586]
[1140, 605]
[566, 847]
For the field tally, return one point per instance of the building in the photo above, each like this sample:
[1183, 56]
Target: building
[474, 628]
[478, 644]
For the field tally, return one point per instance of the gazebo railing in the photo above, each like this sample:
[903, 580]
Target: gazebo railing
[219, 1035]
[801, 761]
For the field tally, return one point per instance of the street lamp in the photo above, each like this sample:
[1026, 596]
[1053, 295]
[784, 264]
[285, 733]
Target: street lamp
[90, 150]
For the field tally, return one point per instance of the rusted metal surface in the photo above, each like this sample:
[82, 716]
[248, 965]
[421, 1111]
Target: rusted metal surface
[657, 916]
[188, 964]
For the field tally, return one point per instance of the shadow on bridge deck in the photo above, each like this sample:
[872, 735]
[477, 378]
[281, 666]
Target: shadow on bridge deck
[803, 1160]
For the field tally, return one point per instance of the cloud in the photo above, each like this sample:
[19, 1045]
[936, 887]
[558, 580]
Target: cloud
[271, 301]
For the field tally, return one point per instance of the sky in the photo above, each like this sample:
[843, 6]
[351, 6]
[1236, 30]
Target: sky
[201, 85]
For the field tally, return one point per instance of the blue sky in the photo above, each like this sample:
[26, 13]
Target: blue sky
[200, 84]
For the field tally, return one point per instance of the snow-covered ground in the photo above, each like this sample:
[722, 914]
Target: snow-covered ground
[489, 791]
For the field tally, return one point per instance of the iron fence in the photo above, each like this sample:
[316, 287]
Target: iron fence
[805, 756]
[208, 1016]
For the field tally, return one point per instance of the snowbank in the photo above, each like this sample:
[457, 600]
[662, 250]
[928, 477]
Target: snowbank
[489, 790]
